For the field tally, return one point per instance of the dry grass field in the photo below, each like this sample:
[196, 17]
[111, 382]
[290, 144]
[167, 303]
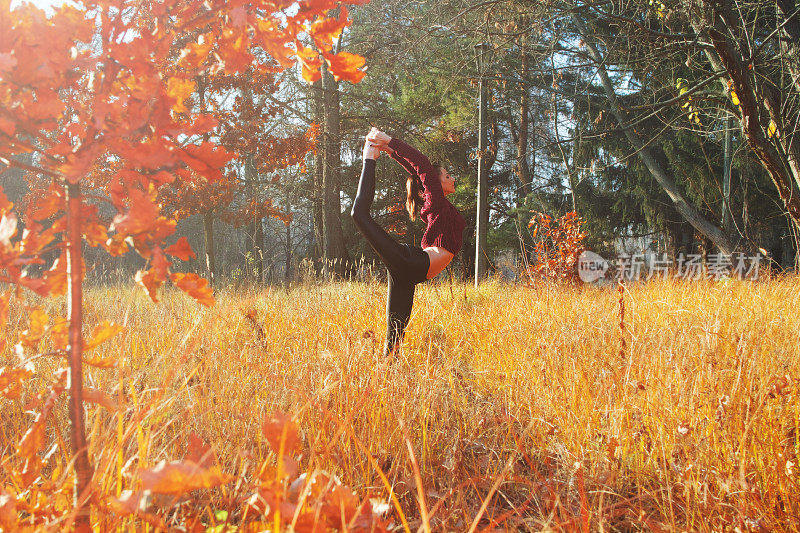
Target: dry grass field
[509, 408]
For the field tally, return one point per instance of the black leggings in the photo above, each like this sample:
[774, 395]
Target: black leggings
[407, 265]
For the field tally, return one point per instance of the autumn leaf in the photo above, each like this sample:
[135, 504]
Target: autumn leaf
[310, 62]
[279, 428]
[141, 215]
[8, 511]
[11, 380]
[178, 477]
[100, 398]
[59, 333]
[33, 440]
[5, 303]
[772, 129]
[180, 89]
[150, 281]
[207, 159]
[100, 362]
[36, 328]
[345, 66]
[327, 30]
[194, 286]
[8, 228]
[181, 249]
[128, 503]
[101, 333]
[200, 453]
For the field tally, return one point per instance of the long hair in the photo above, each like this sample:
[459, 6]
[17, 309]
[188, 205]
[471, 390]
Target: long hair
[414, 190]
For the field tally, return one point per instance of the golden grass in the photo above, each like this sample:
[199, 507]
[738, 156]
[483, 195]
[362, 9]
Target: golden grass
[516, 403]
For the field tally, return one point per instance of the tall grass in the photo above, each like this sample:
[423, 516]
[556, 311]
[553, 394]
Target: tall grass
[508, 407]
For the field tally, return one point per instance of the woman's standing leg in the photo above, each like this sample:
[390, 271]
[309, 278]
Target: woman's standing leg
[406, 266]
[399, 301]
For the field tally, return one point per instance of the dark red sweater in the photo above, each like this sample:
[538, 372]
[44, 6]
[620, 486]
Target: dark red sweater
[445, 224]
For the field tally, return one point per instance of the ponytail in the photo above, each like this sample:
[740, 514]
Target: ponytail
[413, 196]
[414, 191]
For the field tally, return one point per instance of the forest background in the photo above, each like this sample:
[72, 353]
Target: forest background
[667, 126]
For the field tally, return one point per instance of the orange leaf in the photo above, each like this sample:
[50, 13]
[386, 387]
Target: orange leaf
[181, 249]
[59, 333]
[149, 280]
[180, 89]
[281, 429]
[325, 31]
[5, 300]
[194, 286]
[345, 66]
[100, 362]
[8, 511]
[100, 398]
[5, 204]
[36, 328]
[101, 333]
[140, 217]
[200, 453]
[179, 477]
[11, 380]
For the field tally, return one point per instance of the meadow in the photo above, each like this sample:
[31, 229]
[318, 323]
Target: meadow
[665, 405]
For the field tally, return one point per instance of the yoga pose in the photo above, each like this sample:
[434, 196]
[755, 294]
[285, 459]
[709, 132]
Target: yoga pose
[426, 186]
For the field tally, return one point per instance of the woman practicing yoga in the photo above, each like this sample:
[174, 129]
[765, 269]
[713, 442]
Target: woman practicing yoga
[426, 186]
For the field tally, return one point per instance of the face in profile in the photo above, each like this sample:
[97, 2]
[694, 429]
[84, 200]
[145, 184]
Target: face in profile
[448, 181]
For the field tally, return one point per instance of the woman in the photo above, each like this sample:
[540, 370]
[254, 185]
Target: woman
[427, 186]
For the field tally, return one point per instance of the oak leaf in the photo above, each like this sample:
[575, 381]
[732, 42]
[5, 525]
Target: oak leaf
[345, 66]
[100, 398]
[101, 333]
[281, 433]
[36, 328]
[178, 477]
[181, 249]
[194, 286]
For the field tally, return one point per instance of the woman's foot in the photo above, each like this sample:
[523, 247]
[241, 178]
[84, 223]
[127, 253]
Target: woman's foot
[371, 150]
[378, 137]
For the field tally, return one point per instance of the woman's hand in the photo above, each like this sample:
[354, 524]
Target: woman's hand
[371, 150]
[378, 137]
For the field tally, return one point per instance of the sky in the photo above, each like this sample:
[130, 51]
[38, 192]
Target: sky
[42, 4]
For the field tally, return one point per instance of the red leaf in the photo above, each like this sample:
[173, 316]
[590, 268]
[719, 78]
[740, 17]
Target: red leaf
[100, 398]
[101, 333]
[179, 477]
[345, 66]
[325, 31]
[194, 286]
[207, 159]
[180, 89]
[200, 452]
[181, 250]
[150, 281]
[141, 215]
[8, 509]
[278, 429]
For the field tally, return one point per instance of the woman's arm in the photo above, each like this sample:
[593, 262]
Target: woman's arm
[403, 162]
[421, 165]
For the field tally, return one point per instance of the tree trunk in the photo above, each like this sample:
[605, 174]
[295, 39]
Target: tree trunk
[253, 228]
[208, 233]
[523, 172]
[287, 275]
[752, 96]
[334, 252]
[722, 241]
[83, 468]
[319, 165]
